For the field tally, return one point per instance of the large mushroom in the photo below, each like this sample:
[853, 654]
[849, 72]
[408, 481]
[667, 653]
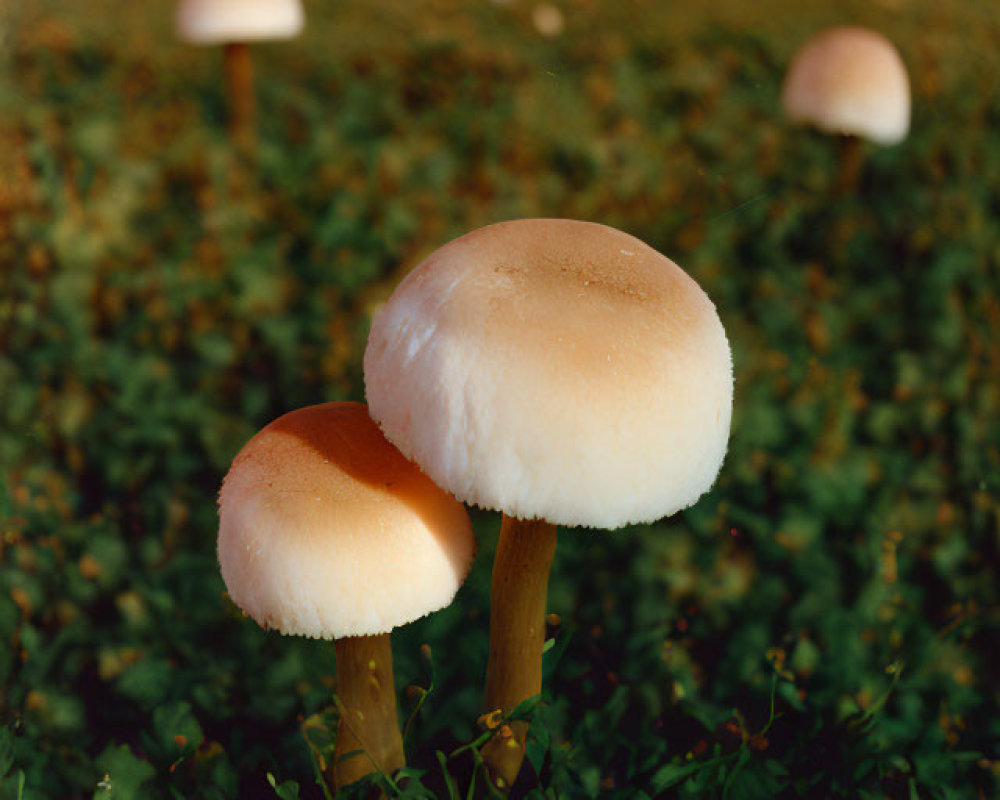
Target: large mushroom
[327, 531]
[851, 81]
[564, 373]
[233, 24]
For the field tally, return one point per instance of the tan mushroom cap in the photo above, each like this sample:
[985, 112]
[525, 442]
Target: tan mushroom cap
[554, 369]
[219, 21]
[327, 531]
[849, 80]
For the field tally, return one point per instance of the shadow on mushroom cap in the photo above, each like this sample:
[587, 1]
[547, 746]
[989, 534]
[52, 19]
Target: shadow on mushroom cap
[326, 530]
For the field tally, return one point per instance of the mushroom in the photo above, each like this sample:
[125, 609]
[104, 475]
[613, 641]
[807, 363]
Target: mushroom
[326, 531]
[564, 373]
[234, 23]
[849, 80]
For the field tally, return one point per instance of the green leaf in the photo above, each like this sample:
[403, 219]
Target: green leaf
[741, 762]
[553, 653]
[175, 723]
[590, 777]
[146, 682]
[124, 774]
[755, 782]
[287, 790]
[672, 774]
[525, 709]
[6, 750]
[539, 741]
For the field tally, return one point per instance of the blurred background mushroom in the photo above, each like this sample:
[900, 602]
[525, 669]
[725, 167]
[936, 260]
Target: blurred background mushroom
[234, 24]
[326, 531]
[850, 81]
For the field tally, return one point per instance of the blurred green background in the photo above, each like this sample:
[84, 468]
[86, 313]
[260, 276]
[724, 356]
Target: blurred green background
[824, 623]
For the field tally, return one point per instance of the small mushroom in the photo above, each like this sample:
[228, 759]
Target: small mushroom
[327, 531]
[564, 373]
[851, 81]
[233, 24]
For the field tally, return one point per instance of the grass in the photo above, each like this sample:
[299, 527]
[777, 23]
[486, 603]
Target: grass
[821, 624]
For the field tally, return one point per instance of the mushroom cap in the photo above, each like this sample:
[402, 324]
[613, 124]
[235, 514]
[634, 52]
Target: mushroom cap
[325, 530]
[219, 21]
[554, 369]
[849, 80]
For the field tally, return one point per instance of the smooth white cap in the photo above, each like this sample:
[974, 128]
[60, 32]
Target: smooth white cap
[219, 21]
[849, 80]
[554, 369]
[325, 530]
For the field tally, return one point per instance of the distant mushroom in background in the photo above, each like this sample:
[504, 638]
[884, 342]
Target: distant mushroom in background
[564, 373]
[849, 80]
[326, 531]
[234, 23]
[548, 19]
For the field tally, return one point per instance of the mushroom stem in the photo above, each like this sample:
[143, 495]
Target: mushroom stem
[517, 634]
[239, 87]
[368, 737]
[850, 165]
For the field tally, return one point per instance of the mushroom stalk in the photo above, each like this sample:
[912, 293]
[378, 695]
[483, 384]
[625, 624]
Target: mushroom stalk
[850, 165]
[239, 86]
[368, 737]
[517, 634]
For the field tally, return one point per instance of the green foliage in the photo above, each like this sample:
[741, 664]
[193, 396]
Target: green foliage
[289, 790]
[821, 624]
[124, 774]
